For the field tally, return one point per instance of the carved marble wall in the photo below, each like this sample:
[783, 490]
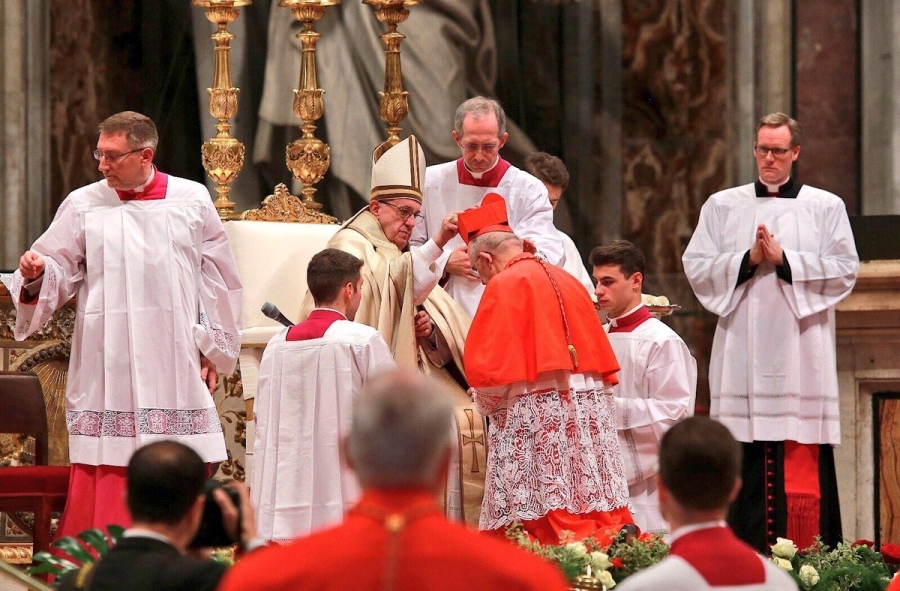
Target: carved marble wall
[94, 65]
[826, 47]
[674, 146]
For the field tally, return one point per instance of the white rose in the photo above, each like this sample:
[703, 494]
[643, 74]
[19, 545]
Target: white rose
[808, 575]
[600, 560]
[785, 564]
[606, 579]
[578, 548]
[784, 548]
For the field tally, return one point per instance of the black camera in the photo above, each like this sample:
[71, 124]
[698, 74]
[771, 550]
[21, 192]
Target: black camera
[212, 532]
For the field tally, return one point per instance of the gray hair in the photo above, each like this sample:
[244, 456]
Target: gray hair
[778, 120]
[491, 242]
[403, 426]
[139, 130]
[478, 107]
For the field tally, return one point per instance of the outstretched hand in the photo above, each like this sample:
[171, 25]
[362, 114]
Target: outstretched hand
[448, 230]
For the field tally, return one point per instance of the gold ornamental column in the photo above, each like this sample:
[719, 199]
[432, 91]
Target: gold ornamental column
[393, 106]
[308, 158]
[223, 155]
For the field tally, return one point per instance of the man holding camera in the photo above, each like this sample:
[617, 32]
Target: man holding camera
[165, 484]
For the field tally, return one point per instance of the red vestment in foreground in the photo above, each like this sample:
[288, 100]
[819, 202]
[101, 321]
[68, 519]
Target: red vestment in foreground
[426, 552]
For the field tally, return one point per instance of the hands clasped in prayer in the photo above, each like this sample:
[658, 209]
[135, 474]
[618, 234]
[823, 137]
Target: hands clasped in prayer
[766, 248]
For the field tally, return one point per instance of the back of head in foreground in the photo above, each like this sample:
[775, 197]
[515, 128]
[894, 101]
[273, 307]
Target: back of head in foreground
[329, 271]
[401, 432]
[699, 468]
[164, 481]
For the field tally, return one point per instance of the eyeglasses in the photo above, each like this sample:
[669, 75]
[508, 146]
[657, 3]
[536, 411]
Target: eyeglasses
[763, 151]
[475, 148]
[113, 158]
[404, 213]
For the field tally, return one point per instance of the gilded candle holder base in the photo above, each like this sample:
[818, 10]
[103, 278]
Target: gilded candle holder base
[223, 159]
[308, 159]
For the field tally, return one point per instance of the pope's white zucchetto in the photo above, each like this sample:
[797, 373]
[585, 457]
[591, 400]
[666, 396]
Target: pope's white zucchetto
[398, 172]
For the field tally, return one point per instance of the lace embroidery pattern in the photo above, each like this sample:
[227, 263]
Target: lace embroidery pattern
[150, 421]
[552, 449]
[227, 342]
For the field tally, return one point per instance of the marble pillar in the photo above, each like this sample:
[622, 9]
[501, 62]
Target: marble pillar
[880, 129]
[24, 137]
[827, 95]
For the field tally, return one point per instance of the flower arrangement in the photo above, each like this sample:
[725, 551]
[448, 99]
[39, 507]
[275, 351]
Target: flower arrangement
[609, 565]
[846, 567]
[853, 566]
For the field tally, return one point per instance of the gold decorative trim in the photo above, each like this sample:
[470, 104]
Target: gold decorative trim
[15, 553]
[284, 207]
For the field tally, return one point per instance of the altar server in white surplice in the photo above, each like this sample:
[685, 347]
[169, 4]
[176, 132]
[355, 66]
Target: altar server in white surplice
[772, 259]
[158, 315]
[309, 376]
[658, 380]
[480, 132]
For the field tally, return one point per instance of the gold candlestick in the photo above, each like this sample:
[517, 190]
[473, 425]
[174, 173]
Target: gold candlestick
[308, 158]
[223, 155]
[393, 105]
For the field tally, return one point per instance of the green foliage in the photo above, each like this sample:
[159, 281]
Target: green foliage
[73, 552]
[636, 555]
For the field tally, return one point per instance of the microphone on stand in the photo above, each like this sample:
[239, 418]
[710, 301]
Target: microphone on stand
[272, 311]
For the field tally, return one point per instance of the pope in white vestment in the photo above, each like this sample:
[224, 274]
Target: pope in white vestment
[303, 410]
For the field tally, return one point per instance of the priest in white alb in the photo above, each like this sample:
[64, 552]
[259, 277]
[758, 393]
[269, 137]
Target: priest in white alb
[309, 378]
[772, 259]
[480, 132]
[158, 315]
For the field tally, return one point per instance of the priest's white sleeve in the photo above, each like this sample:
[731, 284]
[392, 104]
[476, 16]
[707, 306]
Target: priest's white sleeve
[668, 386]
[217, 333]
[532, 218]
[377, 358]
[62, 247]
[712, 271]
[822, 279]
[671, 382]
[424, 277]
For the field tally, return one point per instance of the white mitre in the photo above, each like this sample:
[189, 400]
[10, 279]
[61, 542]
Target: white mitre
[398, 171]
